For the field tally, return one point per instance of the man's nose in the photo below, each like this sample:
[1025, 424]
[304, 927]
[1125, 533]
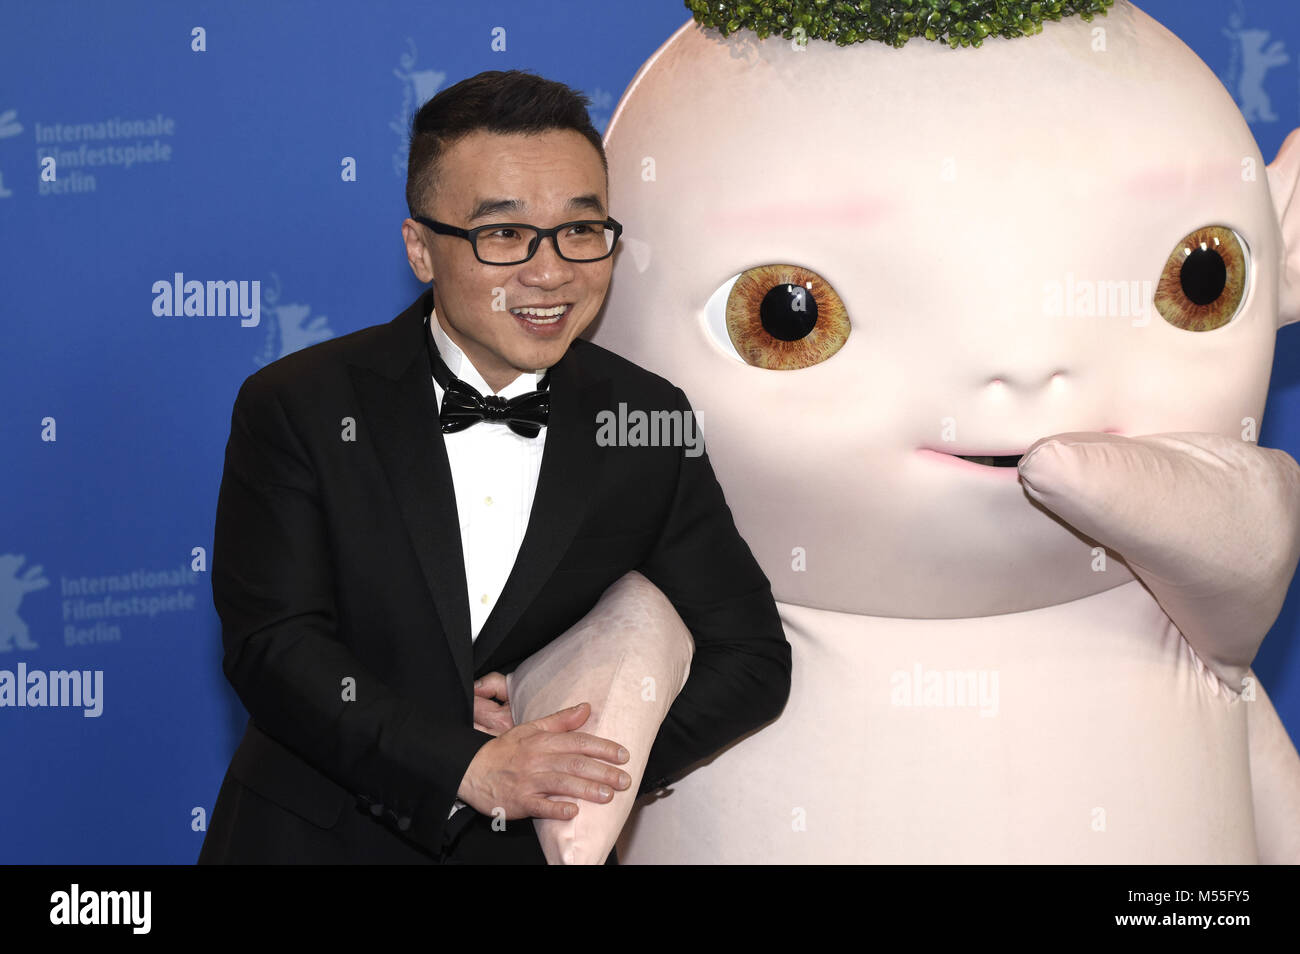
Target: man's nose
[546, 266]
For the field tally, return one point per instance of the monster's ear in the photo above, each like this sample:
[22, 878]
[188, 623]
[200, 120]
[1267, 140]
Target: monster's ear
[1284, 185]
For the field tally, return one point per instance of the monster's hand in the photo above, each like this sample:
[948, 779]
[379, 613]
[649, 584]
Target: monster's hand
[1210, 524]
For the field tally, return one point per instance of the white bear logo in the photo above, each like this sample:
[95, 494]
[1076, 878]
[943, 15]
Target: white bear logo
[13, 631]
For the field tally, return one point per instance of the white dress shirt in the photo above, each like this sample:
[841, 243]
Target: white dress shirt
[494, 471]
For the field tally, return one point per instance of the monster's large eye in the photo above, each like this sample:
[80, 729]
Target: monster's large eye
[778, 317]
[1204, 280]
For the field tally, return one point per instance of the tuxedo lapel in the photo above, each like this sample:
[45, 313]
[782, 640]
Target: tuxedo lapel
[400, 407]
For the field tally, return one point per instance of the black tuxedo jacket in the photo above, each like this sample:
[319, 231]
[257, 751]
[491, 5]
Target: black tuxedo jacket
[338, 576]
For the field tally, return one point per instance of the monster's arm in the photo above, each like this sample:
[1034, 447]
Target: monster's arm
[1211, 525]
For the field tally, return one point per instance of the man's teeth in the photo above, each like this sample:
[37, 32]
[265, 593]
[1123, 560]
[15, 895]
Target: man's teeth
[541, 316]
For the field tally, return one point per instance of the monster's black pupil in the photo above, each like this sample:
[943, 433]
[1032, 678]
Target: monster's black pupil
[1204, 276]
[788, 312]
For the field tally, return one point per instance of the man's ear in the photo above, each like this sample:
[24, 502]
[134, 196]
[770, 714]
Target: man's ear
[417, 253]
[1283, 180]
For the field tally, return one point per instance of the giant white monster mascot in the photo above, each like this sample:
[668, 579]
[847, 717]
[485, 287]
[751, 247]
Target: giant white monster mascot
[979, 336]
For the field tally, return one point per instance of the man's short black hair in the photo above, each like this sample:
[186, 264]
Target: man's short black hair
[511, 101]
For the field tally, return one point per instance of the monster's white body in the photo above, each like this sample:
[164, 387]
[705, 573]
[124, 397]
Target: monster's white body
[1115, 587]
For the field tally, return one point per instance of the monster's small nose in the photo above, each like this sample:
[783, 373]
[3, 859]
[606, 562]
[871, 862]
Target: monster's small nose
[1028, 379]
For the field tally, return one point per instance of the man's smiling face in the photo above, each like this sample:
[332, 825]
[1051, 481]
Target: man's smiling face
[540, 179]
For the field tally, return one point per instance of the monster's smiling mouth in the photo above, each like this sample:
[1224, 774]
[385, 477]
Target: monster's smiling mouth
[1005, 466]
[999, 460]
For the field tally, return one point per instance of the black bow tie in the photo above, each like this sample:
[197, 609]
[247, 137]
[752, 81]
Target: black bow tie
[463, 406]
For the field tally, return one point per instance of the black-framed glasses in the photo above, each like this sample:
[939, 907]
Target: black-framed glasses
[513, 243]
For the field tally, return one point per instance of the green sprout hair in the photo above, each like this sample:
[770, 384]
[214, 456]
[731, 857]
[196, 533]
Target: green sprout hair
[956, 22]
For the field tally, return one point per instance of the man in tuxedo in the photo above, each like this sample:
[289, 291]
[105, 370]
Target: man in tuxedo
[411, 510]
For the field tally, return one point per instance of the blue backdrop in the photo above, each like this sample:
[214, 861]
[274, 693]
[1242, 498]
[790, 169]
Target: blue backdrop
[224, 163]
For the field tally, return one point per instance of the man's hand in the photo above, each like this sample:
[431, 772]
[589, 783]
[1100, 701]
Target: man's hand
[492, 705]
[519, 768]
